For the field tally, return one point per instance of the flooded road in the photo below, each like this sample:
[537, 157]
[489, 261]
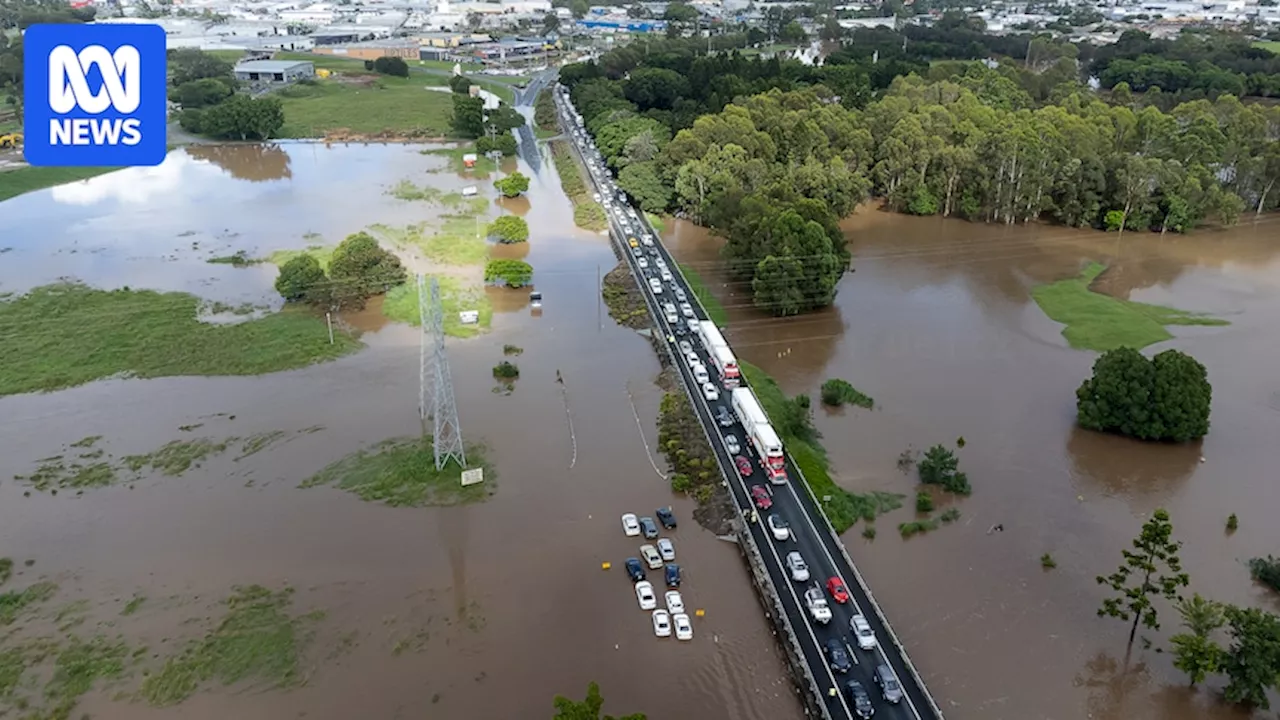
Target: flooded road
[937, 325]
[501, 605]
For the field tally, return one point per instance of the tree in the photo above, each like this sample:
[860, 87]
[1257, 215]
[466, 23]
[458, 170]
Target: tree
[360, 269]
[1152, 569]
[391, 66]
[509, 229]
[239, 117]
[679, 12]
[1165, 398]
[504, 143]
[460, 84]
[641, 181]
[1252, 663]
[512, 273]
[1194, 651]
[468, 116]
[792, 32]
[588, 709]
[505, 119]
[940, 466]
[188, 64]
[299, 278]
[512, 185]
[203, 92]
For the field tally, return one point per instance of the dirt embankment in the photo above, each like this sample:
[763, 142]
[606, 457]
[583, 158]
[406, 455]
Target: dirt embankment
[342, 135]
[622, 297]
[695, 470]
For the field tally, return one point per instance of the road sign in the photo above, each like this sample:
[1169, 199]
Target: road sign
[472, 477]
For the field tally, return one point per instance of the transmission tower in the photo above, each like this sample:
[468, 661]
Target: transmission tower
[435, 384]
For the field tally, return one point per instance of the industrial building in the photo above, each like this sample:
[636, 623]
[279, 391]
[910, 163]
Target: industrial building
[274, 71]
[373, 49]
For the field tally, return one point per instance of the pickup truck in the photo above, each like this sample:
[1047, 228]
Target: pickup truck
[817, 604]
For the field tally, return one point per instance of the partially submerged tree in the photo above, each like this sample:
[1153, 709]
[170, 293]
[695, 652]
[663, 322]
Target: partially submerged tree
[512, 185]
[1194, 651]
[1151, 569]
[588, 709]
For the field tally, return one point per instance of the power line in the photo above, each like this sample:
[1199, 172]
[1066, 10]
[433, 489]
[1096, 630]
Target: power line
[447, 435]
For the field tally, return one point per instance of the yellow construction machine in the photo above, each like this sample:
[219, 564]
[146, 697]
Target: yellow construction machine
[12, 140]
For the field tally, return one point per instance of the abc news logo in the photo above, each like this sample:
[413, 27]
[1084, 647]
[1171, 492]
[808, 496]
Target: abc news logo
[69, 91]
[95, 95]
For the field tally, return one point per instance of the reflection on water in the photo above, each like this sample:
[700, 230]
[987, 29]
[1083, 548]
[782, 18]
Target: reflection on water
[255, 162]
[937, 324]
[516, 205]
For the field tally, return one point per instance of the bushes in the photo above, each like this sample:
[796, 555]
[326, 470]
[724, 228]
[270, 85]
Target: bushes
[544, 111]
[512, 273]
[1164, 398]
[837, 392]
[506, 370]
[358, 270]
[299, 278]
[391, 66]
[504, 143]
[509, 229]
[512, 185]
[1266, 571]
[683, 442]
[940, 467]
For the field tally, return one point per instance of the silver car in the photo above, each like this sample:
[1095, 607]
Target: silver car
[731, 444]
[797, 567]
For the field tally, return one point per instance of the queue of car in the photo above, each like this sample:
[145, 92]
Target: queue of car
[660, 555]
[680, 316]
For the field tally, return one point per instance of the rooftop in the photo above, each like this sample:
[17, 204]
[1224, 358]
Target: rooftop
[269, 66]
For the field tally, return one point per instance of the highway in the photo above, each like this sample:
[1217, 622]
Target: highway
[810, 533]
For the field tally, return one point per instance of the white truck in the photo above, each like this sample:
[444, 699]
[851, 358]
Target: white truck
[817, 604]
[760, 434]
[721, 356]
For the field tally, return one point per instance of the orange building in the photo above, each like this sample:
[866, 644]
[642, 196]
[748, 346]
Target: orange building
[372, 49]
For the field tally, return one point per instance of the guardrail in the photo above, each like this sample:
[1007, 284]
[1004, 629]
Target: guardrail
[755, 559]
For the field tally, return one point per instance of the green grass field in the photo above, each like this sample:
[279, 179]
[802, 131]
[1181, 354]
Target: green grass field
[387, 105]
[402, 473]
[1100, 322]
[1272, 45]
[715, 310]
[401, 305]
[25, 179]
[61, 336]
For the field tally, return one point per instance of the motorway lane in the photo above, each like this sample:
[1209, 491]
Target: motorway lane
[817, 545]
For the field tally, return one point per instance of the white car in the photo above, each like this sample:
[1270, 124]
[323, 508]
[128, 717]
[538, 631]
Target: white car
[684, 628]
[646, 240]
[710, 392]
[630, 525]
[731, 444]
[796, 565]
[779, 527]
[645, 596]
[692, 358]
[651, 557]
[675, 603]
[685, 348]
[817, 604]
[594, 196]
[862, 629]
[644, 264]
[680, 295]
[700, 374]
[655, 286]
[666, 274]
[667, 550]
[661, 623]
[686, 309]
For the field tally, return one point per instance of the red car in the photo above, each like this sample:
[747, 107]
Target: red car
[744, 466]
[835, 586]
[761, 496]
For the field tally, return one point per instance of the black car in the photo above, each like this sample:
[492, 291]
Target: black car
[888, 683]
[838, 656]
[635, 570]
[673, 575]
[861, 700]
[724, 417]
[648, 527]
[667, 518]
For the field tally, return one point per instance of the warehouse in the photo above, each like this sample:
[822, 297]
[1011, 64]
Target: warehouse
[275, 71]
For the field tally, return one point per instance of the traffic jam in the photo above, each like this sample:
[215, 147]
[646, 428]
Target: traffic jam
[756, 451]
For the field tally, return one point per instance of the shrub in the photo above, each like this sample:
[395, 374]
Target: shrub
[512, 273]
[1164, 398]
[1266, 571]
[1232, 522]
[869, 532]
[512, 185]
[950, 515]
[837, 392]
[924, 502]
[504, 143]
[299, 278]
[509, 229]
[391, 66]
[939, 466]
[360, 269]
[1047, 562]
[506, 370]
[512, 350]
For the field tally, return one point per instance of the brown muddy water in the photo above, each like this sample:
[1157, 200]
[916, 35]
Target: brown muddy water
[506, 599]
[938, 326]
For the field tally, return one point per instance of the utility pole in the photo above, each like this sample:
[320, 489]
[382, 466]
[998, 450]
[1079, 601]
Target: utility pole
[447, 432]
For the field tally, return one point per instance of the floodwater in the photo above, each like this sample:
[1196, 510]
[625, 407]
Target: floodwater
[500, 605]
[938, 326]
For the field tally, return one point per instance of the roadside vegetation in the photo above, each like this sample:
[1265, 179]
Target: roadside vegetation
[837, 392]
[401, 472]
[694, 469]
[1166, 398]
[622, 297]
[792, 419]
[74, 334]
[544, 112]
[710, 303]
[1100, 322]
[587, 213]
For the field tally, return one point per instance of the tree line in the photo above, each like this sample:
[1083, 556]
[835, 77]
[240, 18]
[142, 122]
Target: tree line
[771, 154]
[1198, 63]
[204, 85]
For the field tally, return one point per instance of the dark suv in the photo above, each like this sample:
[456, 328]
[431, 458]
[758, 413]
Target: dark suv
[861, 700]
[838, 656]
[888, 683]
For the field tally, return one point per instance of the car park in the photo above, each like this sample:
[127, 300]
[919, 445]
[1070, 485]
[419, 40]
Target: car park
[797, 567]
[684, 628]
[651, 557]
[645, 596]
[836, 587]
[710, 392]
[837, 656]
[672, 575]
[667, 517]
[661, 623]
[760, 496]
[649, 528]
[779, 527]
[675, 603]
[630, 525]
[860, 699]
[635, 570]
[862, 630]
[724, 417]
[731, 444]
[888, 683]
[667, 549]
